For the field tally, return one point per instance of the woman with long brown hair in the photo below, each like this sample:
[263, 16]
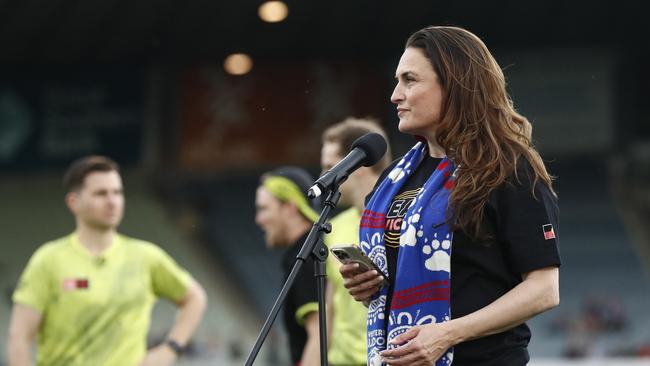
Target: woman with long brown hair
[464, 226]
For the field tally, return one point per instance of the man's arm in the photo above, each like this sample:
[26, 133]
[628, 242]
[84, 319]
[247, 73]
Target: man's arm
[23, 327]
[311, 352]
[190, 312]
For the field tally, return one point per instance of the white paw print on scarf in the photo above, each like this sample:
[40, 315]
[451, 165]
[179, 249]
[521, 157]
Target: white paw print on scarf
[439, 260]
[399, 172]
[408, 237]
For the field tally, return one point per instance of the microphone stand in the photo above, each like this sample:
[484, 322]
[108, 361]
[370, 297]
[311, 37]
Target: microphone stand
[315, 247]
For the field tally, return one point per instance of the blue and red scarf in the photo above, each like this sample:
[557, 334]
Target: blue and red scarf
[423, 276]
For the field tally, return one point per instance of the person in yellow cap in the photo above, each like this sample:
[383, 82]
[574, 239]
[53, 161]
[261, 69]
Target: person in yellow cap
[88, 296]
[285, 215]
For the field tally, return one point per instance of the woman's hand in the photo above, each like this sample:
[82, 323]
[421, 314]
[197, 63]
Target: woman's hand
[420, 345]
[361, 285]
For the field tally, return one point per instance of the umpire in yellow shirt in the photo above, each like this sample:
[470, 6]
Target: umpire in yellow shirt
[347, 317]
[88, 296]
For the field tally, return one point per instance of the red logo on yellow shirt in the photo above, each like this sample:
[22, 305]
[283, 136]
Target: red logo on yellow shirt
[71, 284]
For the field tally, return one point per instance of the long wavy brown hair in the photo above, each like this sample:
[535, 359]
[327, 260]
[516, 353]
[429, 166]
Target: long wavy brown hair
[479, 128]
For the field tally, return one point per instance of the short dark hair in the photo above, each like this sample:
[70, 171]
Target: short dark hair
[74, 177]
[347, 131]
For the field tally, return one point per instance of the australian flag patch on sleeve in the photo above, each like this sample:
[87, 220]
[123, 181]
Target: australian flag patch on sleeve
[549, 233]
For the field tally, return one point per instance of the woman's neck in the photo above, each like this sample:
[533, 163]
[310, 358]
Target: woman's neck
[435, 150]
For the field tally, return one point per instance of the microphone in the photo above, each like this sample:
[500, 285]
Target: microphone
[366, 151]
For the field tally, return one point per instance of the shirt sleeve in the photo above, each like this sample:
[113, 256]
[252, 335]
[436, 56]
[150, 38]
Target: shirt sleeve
[528, 223]
[168, 279]
[35, 287]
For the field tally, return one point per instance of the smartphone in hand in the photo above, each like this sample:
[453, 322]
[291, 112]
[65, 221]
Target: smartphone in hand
[352, 254]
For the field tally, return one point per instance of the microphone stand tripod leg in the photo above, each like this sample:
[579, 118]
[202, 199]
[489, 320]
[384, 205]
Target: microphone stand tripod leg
[320, 272]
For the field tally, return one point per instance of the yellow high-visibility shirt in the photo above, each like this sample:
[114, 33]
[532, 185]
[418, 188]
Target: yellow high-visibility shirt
[96, 309]
[348, 334]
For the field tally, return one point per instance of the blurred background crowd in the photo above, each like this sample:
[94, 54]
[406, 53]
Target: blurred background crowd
[196, 98]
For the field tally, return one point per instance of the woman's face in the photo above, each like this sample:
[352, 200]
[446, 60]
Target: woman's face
[418, 94]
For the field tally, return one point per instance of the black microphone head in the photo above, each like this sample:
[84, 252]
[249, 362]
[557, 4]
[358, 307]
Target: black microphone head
[373, 144]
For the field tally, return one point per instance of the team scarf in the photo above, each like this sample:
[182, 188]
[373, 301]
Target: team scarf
[423, 277]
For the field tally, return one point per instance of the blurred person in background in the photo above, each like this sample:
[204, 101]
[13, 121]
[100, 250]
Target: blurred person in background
[476, 254]
[346, 317]
[284, 214]
[88, 296]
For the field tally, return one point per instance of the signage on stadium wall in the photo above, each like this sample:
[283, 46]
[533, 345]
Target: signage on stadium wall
[272, 116]
[49, 119]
